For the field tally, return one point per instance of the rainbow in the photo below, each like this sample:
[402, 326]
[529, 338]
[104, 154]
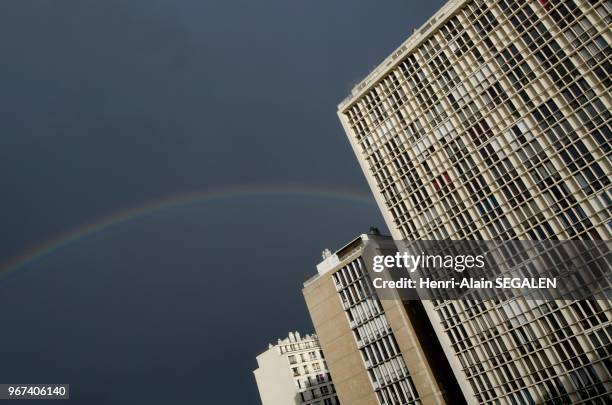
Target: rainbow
[73, 235]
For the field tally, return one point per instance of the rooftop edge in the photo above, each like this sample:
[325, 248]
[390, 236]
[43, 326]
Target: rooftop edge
[406, 47]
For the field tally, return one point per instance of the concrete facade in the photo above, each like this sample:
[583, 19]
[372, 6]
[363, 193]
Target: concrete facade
[373, 347]
[492, 121]
[337, 340]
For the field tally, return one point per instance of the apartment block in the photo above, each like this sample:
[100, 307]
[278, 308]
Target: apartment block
[294, 371]
[492, 122]
[380, 352]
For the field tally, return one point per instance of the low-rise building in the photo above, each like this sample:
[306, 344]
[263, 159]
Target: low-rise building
[294, 371]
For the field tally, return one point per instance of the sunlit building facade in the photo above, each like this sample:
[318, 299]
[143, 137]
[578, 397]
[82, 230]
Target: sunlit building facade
[492, 121]
[294, 371]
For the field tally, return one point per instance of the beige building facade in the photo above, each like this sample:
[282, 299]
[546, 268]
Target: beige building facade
[492, 121]
[380, 351]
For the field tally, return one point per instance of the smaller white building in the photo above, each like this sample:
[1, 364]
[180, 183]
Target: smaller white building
[294, 372]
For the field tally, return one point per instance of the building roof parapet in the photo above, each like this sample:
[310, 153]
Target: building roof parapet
[408, 45]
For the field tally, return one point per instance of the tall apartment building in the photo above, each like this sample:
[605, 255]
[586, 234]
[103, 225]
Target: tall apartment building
[294, 371]
[379, 351]
[492, 121]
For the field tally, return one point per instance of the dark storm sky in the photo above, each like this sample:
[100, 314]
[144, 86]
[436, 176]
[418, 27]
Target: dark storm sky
[108, 104]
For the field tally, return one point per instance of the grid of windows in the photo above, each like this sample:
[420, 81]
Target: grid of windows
[307, 362]
[375, 339]
[498, 126]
